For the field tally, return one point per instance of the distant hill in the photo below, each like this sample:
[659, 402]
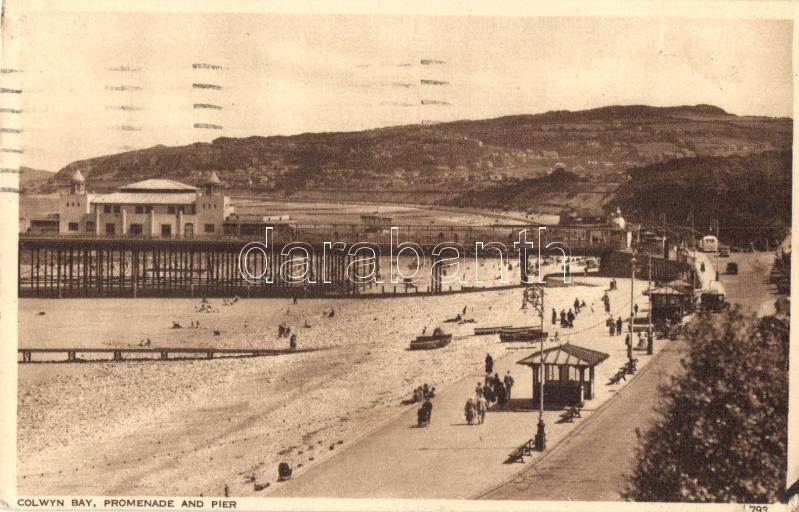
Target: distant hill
[750, 196]
[434, 163]
[30, 179]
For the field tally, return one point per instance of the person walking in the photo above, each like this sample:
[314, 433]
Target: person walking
[488, 394]
[618, 326]
[469, 410]
[502, 396]
[482, 407]
[629, 342]
[570, 318]
[489, 364]
[509, 382]
[635, 308]
[478, 390]
[612, 328]
[427, 411]
[554, 317]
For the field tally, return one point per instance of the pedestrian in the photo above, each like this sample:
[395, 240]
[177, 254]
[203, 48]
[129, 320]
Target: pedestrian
[576, 306]
[563, 318]
[570, 318]
[478, 390]
[488, 394]
[612, 328]
[618, 326]
[489, 364]
[508, 380]
[554, 317]
[293, 342]
[629, 343]
[468, 411]
[635, 308]
[502, 396]
[482, 407]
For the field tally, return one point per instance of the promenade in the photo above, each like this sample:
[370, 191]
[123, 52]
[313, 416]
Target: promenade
[453, 460]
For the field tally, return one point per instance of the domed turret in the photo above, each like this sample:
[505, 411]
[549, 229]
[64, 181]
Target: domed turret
[77, 183]
[212, 184]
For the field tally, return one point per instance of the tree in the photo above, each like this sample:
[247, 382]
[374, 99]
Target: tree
[724, 429]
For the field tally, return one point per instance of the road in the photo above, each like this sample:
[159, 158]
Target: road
[750, 288]
[592, 463]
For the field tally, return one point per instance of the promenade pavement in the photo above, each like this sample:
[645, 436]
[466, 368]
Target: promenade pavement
[453, 460]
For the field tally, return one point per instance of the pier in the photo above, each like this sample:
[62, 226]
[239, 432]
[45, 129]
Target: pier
[127, 266]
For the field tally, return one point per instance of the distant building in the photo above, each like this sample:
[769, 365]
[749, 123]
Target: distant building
[151, 208]
[616, 220]
[375, 222]
[574, 216]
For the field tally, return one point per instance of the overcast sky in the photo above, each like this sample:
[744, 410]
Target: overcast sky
[95, 84]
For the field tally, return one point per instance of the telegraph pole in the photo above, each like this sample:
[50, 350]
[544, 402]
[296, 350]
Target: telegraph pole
[632, 311]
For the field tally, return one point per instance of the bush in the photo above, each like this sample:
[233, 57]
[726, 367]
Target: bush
[724, 428]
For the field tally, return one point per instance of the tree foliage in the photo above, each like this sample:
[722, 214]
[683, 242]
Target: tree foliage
[723, 433]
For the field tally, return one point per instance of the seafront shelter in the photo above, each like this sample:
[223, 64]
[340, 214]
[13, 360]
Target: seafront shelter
[568, 373]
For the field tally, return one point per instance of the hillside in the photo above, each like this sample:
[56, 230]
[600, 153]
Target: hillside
[750, 196]
[32, 179]
[420, 161]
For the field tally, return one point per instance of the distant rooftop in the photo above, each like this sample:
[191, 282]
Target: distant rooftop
[566, 354]
[147, 197]
[158, 185]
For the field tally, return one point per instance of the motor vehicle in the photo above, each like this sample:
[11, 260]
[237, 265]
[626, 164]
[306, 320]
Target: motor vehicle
[714, 301]
[709, 243]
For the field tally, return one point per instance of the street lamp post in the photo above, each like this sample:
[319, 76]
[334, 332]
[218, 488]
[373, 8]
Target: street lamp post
[535, 296]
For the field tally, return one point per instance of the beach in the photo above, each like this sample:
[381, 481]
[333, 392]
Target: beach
[193, 427]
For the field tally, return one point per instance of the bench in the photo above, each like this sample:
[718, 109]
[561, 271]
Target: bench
[631, 366]
[620, 375]
[518, 454]
[569, 414]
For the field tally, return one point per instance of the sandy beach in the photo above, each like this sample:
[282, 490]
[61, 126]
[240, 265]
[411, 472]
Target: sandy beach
[192, 427]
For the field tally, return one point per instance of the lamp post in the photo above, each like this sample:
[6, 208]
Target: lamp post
[535, 296]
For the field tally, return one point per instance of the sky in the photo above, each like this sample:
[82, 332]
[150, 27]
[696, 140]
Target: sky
[101, 83]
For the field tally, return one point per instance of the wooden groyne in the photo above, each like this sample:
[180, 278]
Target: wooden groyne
[71, 355]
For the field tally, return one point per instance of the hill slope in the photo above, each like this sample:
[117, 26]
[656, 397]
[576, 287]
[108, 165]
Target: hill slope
[750, 196]
[599, 144]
